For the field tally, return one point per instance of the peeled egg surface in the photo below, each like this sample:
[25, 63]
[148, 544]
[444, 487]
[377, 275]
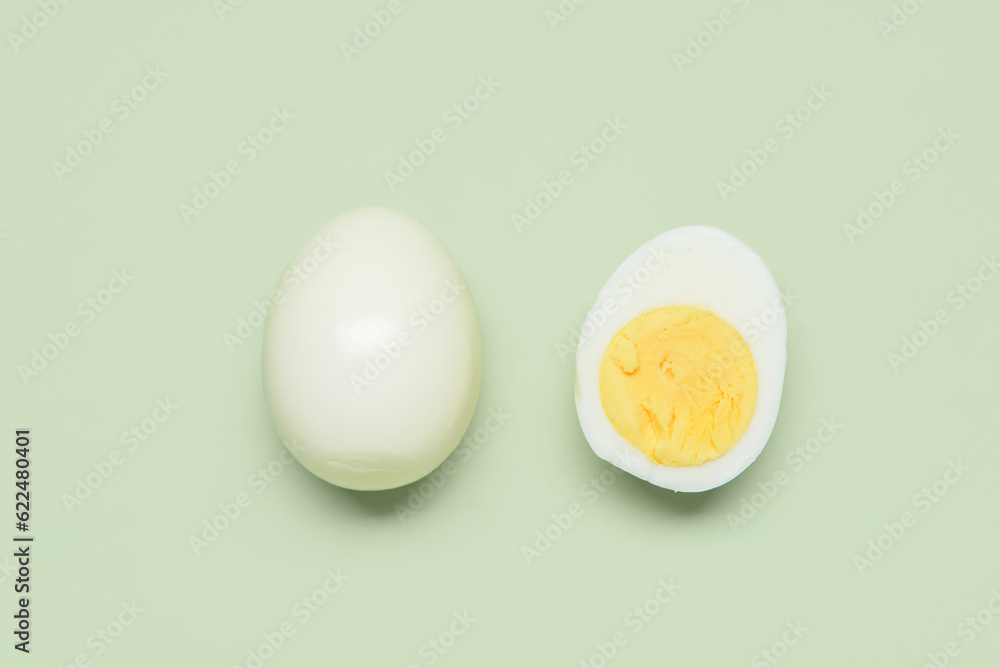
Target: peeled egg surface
[372, 357]
[681, 360]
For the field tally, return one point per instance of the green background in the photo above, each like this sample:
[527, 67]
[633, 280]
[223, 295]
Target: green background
[163, 336]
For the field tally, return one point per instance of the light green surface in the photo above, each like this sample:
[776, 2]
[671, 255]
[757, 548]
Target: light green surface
[163, 336]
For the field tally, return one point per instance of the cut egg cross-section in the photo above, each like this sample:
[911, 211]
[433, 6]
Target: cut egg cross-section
[681, 362]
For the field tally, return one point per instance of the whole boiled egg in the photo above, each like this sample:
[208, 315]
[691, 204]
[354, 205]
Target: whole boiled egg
[681, 360]
[372, 356]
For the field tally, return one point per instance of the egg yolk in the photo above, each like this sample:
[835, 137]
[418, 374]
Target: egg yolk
[679, 383]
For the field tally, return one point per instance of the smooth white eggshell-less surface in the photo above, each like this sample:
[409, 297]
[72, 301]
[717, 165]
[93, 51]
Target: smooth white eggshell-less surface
[372, 355]
[688, 266]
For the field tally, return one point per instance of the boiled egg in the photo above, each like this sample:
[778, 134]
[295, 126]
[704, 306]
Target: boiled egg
[372, 357]
[681, 360]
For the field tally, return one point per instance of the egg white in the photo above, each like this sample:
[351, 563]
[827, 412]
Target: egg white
[351, 423]
[687, 266]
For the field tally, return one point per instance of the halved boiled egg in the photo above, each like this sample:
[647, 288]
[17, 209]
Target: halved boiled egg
[681, 360]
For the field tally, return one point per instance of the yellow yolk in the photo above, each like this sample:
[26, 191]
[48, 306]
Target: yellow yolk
[679, 383]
